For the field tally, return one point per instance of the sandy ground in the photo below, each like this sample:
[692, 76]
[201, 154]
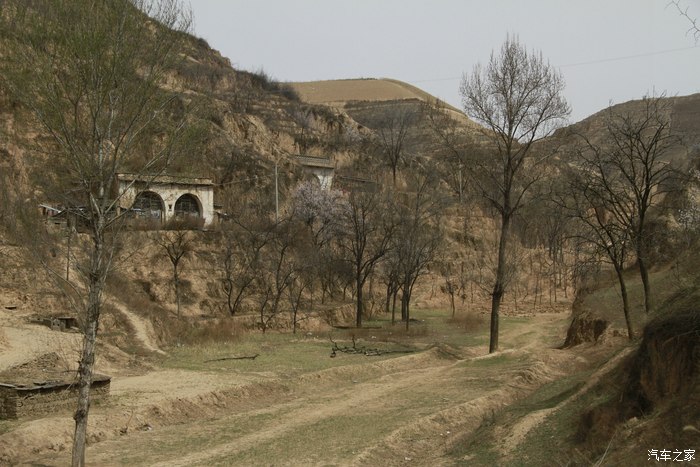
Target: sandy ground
[408, 409]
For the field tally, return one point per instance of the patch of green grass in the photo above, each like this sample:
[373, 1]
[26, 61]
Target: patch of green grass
[489, 362]
[285, 354]
[545, 444]
[606, 302]
[332, 438]
[554, 440]
[312, 353]
[164, 443]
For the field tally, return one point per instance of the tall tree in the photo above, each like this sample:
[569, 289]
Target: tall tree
[239, 259]
[90, 73]
[633, 163]
[320, 211]
[368, 231]
[518, 98]
[393, 124]
[588, 202]
[417, 238]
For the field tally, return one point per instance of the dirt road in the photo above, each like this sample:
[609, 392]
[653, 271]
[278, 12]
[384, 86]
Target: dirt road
[397, 411]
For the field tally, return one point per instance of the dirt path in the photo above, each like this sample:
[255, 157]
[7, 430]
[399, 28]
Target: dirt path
[145, 333]
[409, 409]
[408, 413]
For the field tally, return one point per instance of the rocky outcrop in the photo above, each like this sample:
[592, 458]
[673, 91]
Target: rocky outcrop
[585, 328]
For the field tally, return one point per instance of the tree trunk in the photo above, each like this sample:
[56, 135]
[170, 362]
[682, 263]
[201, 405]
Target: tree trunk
[644, 273]
[85, 371]
[625, 302]
[388, 299]
[177, 291]
[358, 296]
[405, 302]
[87, 358]
[499, 285]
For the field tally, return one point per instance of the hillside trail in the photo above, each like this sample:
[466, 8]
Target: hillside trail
[143, 329]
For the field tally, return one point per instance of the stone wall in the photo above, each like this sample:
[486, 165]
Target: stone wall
[39, 400]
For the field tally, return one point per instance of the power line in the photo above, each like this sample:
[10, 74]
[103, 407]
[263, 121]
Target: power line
[628, 57]
[568, 65]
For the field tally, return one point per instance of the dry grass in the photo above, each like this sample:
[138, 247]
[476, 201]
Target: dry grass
[468, 322]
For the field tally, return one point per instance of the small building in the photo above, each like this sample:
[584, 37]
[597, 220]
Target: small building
[323, 168]
[166, 198]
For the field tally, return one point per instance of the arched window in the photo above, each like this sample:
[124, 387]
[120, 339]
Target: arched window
[187, 206]
[148, 205]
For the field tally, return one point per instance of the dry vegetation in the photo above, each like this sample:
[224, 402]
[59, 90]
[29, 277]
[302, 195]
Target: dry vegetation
[200, 379]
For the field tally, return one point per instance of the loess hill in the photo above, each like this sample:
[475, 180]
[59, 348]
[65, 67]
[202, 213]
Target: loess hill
[247, 121]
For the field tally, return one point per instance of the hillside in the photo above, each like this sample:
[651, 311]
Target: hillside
[265, 346]
[682, 111]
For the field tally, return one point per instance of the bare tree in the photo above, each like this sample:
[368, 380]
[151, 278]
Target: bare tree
[176, 245]
[518, 97]
[368, 231]
[298, 286]
[588, 202]
[93, 87]
[451, 284]
[390, 278]
[454, 145]
[417, 237]
[239, 259]
[634, 167]
[277, 270]
[393, 124]
[684, 11]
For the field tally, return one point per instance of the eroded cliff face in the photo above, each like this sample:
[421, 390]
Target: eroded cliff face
[655, 400]
[667, 363]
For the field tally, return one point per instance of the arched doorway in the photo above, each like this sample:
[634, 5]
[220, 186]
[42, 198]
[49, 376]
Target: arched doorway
[187, 205]
[148, 205]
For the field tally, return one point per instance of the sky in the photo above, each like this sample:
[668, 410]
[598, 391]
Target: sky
[608, 51]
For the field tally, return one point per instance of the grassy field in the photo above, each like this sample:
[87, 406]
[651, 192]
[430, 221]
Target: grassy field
[439, 399]
[311, 351]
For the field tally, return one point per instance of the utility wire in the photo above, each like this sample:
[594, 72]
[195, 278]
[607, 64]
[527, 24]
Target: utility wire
[590, 62]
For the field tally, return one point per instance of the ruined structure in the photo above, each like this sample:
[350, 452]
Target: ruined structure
[45, 398]
[323, 168]
[164, 198]
[42, 387]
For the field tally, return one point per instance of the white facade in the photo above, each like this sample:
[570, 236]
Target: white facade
[165, 198]
[321, 167]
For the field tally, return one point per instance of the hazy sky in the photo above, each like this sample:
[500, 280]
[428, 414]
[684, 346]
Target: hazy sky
[607, 50]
